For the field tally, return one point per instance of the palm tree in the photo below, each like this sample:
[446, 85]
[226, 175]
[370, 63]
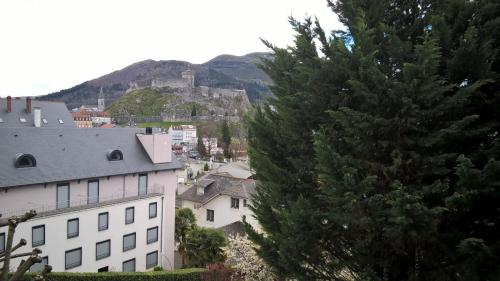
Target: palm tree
[185, 221]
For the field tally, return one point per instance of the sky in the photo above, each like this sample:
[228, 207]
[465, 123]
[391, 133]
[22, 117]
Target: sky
[50, 45]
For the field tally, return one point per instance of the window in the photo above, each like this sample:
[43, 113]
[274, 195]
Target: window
[37, 267]
[129, 242]
[143, 184]
[73, 228]
[2, 242]
[103, 221]
[129, 266]
[210, 215]
[38, 235]
[152, 235]
[235, 203]
[102, 249]
[152, 210]
[62, 195]
[129, 215]
[114, 155]
[73, 258]
[103, 269]
[25, 161]
[245, 204]
[152, 259]
[93, 192]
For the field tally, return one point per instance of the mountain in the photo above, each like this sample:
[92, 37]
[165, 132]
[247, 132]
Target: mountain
[224, 71]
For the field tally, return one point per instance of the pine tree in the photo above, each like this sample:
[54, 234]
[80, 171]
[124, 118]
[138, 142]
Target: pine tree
[193, 111]
[202, 151]
[378, 158]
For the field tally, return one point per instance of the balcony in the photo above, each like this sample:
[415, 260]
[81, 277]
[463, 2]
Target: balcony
[55, 208]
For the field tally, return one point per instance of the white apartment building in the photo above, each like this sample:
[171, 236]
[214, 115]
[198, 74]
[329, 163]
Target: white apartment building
[219, 200]
[105, 199]
[189, 134]
[210, 145]
[176, 134]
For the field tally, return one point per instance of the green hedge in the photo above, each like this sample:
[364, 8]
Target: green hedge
[190, 274]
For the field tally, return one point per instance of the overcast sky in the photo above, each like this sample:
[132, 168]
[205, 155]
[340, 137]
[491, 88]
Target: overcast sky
[49, 45]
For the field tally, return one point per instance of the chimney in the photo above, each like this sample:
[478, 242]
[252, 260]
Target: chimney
[28, 105]
[149, 130]
[9, 104]
[37, 116]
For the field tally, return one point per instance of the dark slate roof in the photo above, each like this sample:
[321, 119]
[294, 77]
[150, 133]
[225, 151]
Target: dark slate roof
[233, 229]
[51, 111]
[219, 184]
[71, 153]
[236, 169]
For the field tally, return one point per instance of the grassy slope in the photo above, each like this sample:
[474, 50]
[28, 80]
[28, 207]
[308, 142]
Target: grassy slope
[144, 102]
[163, 124]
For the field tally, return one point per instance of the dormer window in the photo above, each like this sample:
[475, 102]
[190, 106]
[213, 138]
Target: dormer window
[114, 155]
[61, 121]
[44, 121]
[22, 120]
[25, 161]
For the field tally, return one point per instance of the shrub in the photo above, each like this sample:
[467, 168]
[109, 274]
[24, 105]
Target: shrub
[190, 274]
[219, 272]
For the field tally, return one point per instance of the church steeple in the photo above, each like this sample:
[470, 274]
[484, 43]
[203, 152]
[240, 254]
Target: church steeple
[100, 101]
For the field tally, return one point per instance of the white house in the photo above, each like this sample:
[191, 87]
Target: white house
[105, 198]
[219, 200]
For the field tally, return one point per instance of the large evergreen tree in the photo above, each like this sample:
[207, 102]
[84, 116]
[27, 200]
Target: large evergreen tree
[377, 158]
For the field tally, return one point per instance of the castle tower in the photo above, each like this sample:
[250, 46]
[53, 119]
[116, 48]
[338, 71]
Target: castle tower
[100, 101]
[188, 76]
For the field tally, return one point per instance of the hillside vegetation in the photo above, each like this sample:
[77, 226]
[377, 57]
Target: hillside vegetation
[143, 102]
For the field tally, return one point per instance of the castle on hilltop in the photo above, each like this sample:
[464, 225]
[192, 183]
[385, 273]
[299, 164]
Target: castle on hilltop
[183, 84]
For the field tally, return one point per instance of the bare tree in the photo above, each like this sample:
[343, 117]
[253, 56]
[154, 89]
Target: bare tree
[8, 254]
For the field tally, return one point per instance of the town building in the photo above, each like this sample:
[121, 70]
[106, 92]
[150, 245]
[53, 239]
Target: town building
[105, 199]
[175, 133]
[99, 118]
[82, 119]
[88, 118]
[210, 145]
[219, 200]
[27, 112]
[189, 134]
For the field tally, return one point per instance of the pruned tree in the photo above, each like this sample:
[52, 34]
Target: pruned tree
[8, 254]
